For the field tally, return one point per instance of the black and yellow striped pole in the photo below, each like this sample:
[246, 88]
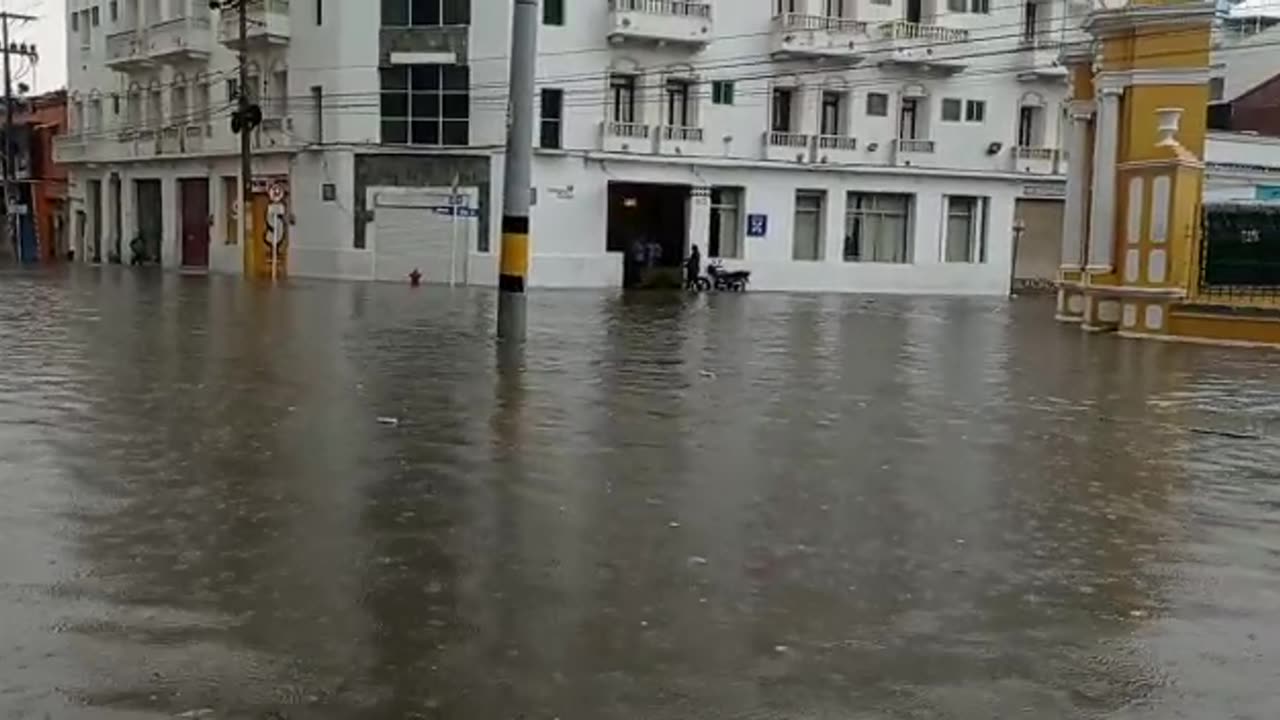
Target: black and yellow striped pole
[517, 186]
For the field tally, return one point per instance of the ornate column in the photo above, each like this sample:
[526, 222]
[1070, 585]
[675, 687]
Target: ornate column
[1075, 225]
[1101, 250]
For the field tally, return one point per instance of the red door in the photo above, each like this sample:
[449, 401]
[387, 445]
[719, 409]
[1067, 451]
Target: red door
[195, 222]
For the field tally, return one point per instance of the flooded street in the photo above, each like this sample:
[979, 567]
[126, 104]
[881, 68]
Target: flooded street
[334, 501]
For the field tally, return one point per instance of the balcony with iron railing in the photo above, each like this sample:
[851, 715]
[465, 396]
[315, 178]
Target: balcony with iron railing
[1036, 160]
[679, 140]
[679, 22]
[817, 36]
[936, 46]
[626, 137]
[835, 149]
[784, 146]
[267, 25]
[913, 151]
[1039, 54]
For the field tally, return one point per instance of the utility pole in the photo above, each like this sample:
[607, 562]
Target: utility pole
[517, 183]
[10, 197]
[247, 116]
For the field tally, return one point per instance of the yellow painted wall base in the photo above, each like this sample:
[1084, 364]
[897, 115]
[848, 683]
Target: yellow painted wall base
[1257, 329]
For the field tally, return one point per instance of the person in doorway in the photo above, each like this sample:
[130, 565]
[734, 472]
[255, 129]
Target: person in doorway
[693, 268]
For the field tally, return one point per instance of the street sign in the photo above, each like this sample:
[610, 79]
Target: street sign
[462, 212]
[757, 225]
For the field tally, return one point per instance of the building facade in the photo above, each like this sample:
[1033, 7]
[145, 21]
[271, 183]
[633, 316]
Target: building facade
[826, 145]
[40, 188]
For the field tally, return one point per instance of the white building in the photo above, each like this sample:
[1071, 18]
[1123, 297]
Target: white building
[834, 145]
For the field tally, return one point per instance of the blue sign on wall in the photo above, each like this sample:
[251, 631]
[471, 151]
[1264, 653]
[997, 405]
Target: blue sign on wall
[1268, 192]
[757, 225]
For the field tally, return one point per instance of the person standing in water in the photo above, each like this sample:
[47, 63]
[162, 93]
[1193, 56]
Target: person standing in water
[693, 268]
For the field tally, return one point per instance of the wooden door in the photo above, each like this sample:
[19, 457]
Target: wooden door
[195, 222]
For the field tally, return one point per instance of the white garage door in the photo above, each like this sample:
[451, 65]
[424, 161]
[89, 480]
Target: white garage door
[415, 229]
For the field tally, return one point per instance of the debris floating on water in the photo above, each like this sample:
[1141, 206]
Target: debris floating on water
[389, 421]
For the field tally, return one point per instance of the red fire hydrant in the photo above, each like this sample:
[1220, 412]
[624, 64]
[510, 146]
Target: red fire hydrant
[415, 278]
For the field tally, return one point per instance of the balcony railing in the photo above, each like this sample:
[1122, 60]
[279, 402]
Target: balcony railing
[627, 130]
[837, 142]
[680, 8]
[912, 145]
[126, 47]
[1023, 152]
[180, 38]
[682, 134]
[779, 138]
[903, 30]
[797, 21]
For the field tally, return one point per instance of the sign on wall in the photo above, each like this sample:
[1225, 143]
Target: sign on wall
[757, 225]
[1268, 192]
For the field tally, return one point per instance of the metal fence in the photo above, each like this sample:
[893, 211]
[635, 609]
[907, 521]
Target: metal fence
[1240, 252]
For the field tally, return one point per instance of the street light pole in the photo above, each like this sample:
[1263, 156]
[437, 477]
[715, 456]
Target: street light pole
[10, 197]
[513, 272]
[244, 119]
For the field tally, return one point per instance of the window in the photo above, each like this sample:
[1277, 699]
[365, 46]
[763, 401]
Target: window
[178, 111]
[425, 13]
[553, 12]
[426, 104]
[97, 18]
[679, 105]
[115, 104]
[835, 8]
[975, 111]
[155, 109]
[622, 94]
[114, 10]
[1030, 20]
[956, 5]
[877, 228]
[317, 107]
[832, 118]
[1217, 88]
[951, 108]
[807, 243]
[722, 92]
[966, 229]
[202, 102]
[233, 89]
[75, 22]
[980, 6]
[552, 128]
[725, 237]
[95, 115]
[1030, 126]
[319, 12]
[781, 110]
[877, 105]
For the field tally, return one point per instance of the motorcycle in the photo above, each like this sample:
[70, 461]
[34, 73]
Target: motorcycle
[730, 280]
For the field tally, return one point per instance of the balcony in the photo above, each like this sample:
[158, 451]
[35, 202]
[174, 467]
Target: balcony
[788, 147]
[626, 137]
[835, 149]
[912, 151]
[933, 46]
[661, 22]
[1040, 56]
[816, 36]
[1036, 160]
[268, 22]
[676, 140]
[185, 39]
[127, 51]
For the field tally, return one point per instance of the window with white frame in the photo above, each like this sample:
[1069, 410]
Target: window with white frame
[975, 111]
[426, 105]
[725, 237]
[722, 92]
[680, 106]
[807, 229]
[877, 228]
[178, 111]
[966, 228]
[877, 104]
[981, 7]
[95, 115]
[622, 98]
[952, 109]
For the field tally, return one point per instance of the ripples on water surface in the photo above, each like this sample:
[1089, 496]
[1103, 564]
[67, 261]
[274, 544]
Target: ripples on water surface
[759, 506]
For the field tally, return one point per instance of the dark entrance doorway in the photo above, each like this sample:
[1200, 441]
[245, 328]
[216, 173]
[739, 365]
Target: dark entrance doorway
[648, 223]
[195, 222]
[145, 248]
[117, 216]
[94, 198]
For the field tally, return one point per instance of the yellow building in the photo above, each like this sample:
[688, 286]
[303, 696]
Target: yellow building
[1131, 248]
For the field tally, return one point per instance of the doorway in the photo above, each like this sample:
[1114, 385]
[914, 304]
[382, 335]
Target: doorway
[194, 221]
[914, 11]
[648, 223]
[94, 193]
[117, 215]
[909, 119]
[145, 248]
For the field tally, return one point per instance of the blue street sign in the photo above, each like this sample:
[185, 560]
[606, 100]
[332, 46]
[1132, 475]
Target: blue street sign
[757, 225]
[463, 212]
[1268, 192]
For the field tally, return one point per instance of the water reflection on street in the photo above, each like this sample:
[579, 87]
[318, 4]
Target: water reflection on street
[339, 501]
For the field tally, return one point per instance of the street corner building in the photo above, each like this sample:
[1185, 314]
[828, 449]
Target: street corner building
[824, 145]
[1154, 245]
